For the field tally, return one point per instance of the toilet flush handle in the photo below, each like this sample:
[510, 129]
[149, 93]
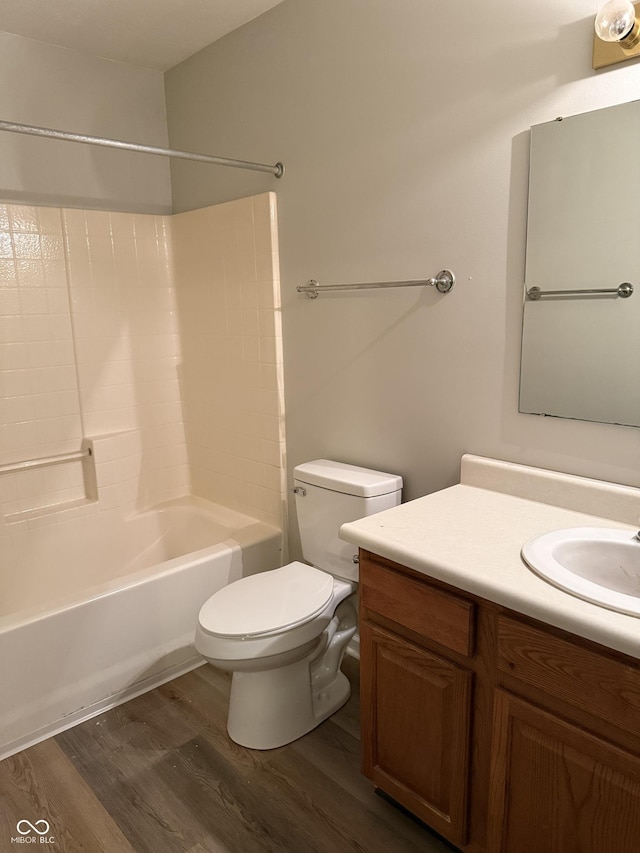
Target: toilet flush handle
[299, 490]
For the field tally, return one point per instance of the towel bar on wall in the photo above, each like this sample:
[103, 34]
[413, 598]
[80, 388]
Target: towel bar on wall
[44, 461]
[443, 283]
[623, 290]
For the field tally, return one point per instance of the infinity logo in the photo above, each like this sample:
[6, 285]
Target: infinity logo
[32, 827]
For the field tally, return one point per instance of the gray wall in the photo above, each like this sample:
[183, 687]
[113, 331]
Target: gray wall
[404, 132]
[54, 87]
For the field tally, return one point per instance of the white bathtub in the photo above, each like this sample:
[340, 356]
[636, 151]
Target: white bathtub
[78, 638]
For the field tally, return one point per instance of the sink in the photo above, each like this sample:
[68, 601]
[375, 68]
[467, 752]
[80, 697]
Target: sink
[599, 564]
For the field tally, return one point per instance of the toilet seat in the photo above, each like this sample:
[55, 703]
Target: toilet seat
[267, 603]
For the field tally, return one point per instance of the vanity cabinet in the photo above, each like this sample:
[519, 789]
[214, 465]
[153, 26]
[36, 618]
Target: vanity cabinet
[502, 734]
[417, 696]
[557, 787]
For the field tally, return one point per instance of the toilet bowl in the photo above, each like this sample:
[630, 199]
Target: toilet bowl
[283, 632]
[280, 633]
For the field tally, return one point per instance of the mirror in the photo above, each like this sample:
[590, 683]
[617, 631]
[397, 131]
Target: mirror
[581, 352]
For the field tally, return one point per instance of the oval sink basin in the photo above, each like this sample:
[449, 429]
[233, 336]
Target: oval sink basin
[599, 564]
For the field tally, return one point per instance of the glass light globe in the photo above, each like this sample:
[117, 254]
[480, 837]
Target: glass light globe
[615, 20]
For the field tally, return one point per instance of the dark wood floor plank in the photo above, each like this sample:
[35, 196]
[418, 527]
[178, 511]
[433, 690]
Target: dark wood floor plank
[238, 803]
[40, 783]
[160, 775]
[150, 725]
[150, 788]
[204, 696]
[336, 753]
[327, 803]
[120, 762]
[334, 749]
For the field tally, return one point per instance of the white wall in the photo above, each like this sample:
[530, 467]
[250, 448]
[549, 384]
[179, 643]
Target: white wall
[53, 87]
[404, 132]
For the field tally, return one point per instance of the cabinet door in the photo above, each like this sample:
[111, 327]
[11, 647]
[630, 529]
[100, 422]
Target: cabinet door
[415, 721]
[557, 788]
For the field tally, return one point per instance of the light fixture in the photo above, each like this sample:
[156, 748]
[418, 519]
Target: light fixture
[617, 33]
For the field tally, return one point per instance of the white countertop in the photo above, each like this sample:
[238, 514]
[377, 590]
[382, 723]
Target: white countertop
[470, 537]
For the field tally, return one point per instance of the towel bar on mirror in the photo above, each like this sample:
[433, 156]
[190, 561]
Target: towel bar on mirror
[623, 290]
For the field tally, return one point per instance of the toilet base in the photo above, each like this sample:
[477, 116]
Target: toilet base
[272, 708]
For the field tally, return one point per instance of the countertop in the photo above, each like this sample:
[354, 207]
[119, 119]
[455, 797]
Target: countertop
[470, 536]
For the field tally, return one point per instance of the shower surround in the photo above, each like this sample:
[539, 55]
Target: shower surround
[154, 342]
[164, 327]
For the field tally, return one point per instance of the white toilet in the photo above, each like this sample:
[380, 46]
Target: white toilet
[283, 632]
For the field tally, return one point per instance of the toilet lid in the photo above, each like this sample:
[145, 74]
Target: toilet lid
[267, 602]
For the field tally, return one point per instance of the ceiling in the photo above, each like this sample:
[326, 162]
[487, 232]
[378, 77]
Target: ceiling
[150, 33]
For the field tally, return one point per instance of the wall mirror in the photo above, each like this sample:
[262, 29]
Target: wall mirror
[581, 352]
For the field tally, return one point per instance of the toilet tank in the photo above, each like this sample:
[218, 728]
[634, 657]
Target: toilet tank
[328, 494]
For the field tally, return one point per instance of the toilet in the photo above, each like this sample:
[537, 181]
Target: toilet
[283, 632]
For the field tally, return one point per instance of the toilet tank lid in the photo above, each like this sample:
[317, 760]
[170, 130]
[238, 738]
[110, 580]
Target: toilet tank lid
[350, 479]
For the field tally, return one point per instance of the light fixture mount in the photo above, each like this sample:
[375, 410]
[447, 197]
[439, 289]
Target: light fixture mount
[617, 33]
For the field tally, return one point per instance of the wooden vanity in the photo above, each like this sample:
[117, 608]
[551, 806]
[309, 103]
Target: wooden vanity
[502, 733]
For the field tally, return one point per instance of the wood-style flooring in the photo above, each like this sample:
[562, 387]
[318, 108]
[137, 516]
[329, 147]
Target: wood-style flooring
[160, 775]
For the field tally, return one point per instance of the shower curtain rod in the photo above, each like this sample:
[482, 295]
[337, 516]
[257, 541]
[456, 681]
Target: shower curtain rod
[13, 127]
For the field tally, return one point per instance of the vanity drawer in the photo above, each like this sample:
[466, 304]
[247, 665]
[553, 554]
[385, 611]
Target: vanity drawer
[436, 615]
[599, 684]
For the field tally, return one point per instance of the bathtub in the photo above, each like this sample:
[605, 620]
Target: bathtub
[109, 612]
